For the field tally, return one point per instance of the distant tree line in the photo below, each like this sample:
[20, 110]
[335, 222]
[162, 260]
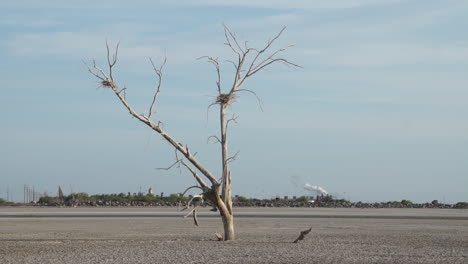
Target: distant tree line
[83, 197]
[122, 199]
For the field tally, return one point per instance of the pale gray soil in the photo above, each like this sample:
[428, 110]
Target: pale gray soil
[130, 239]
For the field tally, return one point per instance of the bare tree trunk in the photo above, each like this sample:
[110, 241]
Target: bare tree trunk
[228, 223]
[226, 175]
[228, 218]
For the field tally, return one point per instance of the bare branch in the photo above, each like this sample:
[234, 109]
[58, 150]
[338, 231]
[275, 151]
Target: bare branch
[255, 94]
[192, 187]
[112, 62]
[215, 137]
[234, 38]
[270, 42]
[92, 72]
[208, 111]
[158, 87]
[271, 61]
[228, 35]
[100, 70]
[254, 66]
[232, 119]
[215, 62]
[191, 211]
[103, 77]
[179, 161]
[194, 197]
[122, 90]
[194, 214]
[170, 166]
[239, 70]
[194, 210]
[233, 158]
[195, 219]
[233, 63]
[164, 134]
[186, 190]
[197, 177]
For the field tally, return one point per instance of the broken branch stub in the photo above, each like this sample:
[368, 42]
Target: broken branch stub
[302, 235]
[219, 236]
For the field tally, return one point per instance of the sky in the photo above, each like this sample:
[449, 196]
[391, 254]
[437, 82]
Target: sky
[377, 113]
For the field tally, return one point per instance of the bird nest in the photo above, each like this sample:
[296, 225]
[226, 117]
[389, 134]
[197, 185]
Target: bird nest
[225, 99]
[107, 84]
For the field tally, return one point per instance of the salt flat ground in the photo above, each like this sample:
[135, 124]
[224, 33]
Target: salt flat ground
[161, 235]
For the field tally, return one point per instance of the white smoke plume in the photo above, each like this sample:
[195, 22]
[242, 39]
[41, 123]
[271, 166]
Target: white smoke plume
[315, 188]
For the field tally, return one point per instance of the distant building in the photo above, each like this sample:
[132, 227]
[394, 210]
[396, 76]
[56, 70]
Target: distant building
[150, 190]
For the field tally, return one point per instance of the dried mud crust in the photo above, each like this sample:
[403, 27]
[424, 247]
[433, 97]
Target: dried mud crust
[260, 240]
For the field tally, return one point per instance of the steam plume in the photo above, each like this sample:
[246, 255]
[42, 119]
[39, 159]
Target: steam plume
[315, 188]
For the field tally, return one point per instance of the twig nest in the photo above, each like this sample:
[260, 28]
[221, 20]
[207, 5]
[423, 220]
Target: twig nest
[107, 83]
[225, 99]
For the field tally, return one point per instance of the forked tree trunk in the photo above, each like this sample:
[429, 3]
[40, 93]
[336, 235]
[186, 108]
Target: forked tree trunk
[226, 216]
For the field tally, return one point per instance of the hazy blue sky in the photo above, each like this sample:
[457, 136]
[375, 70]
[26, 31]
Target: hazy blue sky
[379, 112]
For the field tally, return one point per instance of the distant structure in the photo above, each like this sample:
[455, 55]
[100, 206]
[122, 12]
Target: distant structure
[60, 194]
[150, 191]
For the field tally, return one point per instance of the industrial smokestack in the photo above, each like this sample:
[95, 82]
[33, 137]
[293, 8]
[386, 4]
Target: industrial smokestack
[315, 188]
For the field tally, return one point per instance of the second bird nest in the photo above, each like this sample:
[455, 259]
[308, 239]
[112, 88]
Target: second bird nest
[225, 99]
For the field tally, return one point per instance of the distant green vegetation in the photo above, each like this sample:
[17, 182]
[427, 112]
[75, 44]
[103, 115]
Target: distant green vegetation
[243, 199]
[303, 199]
[2, 201]
[121, 197]
[406, 202]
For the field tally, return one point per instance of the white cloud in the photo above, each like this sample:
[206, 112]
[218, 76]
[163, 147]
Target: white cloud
[90, 45]
[276, 4]
[27, 21]
[388, 54]
[292, 4]
[57, 43]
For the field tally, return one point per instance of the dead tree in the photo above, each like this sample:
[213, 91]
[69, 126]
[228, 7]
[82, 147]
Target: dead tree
[249, 61]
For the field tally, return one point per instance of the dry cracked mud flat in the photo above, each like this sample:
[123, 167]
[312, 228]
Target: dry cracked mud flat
[77, 235]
